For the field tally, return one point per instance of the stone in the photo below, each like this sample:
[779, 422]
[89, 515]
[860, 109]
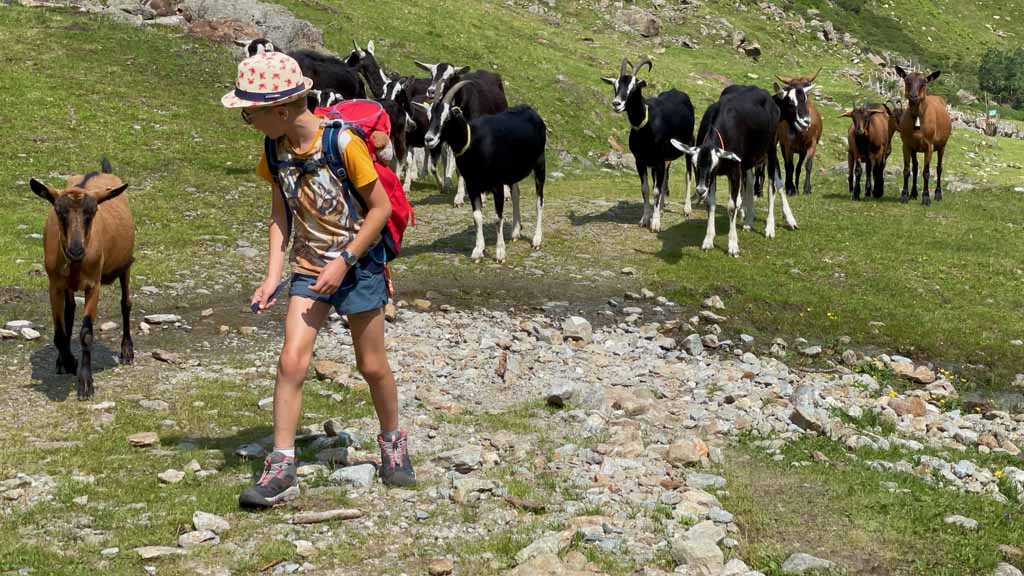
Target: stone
[17, 325]
[198, 538]
[693, 345]
[304, 548]
[811, 351]
[561, 394]
[337, 456]
[801, 563]
[108, 326]
[155, 405]
[266, 404]
[577, 328]
[80, 501]
[463, 489]
[29, 334]
[103, 406]
[151, 552]
[849, 357]
[665, 343]
[143, 439]
[705, 481]
[162, 318]
[165, 356]
[1004, 569]
[736, 567]
[463, 459]
[807, 417]
[638, 20]
[746, 339]
[171, 476]
[360, 476]
[720, 516]
[390, 312]
[109, 552]
[247, 330]
[421, 305]
[714, 302]
[440, 567]
[326, 516]
[250, 451]
[962, 521]
[919, 374]
[211, 522]
[551, 543]
[712, 317]
[686, 451]
[913, 406]
[7, 334]
[701, 557]
[331, 371]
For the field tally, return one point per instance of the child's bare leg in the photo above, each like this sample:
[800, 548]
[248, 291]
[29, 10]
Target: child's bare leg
[372, 361]
[304, 319]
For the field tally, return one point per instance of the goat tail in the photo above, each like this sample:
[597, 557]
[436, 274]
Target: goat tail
[105, 166]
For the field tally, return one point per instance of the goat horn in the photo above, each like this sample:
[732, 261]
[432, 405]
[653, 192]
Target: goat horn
[356, 46]
[451, 92]
[815, 77]
[645, 61]
[785, 81]
[623, 67]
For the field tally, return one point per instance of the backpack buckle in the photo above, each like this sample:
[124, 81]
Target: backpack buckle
[310, 167]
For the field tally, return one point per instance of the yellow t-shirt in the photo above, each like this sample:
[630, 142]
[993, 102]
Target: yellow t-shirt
[325, 218]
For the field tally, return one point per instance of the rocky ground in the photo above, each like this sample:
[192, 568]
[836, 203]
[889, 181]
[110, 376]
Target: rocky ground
[571, 436]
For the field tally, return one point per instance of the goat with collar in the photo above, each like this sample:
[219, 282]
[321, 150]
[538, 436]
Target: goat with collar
[491, 152]
[737, 134]
[654, 122]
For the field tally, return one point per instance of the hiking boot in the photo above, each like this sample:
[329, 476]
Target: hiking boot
[395, 465]
[277, 485]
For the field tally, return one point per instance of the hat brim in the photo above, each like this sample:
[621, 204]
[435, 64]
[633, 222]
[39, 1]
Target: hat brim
[230, 100]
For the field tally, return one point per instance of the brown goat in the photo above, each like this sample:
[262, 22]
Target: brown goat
[869, 142]
[924, 127]
[88, 241]
[800, 128]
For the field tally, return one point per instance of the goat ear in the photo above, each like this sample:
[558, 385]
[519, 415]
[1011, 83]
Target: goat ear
[462, 69]
[934, 75]
[422, 105]
[427, 67]
[612, 81]
[110, 193]
[688, 150]
[901, 72]
[729, 155]
[777, 89]
[42, 190]
[641, 84]
[243, 42]
[369, 48]
[456, 111]
[847, 114]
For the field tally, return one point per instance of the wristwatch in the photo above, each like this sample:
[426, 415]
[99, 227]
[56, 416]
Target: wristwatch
[349, 258]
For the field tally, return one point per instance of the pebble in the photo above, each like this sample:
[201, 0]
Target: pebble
[198, 538]
[209, 522]
[162, 319]
[171, 476]
[801, 563]
[360, 476]
[143, 439]
[962, 521]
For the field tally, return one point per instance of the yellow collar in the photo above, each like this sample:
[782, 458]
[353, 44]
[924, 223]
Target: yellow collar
[647, 116]
[468, 140]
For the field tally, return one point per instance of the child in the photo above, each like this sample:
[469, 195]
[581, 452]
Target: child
[336, 262]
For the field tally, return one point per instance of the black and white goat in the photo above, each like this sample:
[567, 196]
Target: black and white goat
[740, 135]
[493, 151]
[485, 95]
[654, 122]
[329, 72]
[409, 91]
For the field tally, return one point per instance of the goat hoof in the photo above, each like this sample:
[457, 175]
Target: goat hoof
[904, 199]
[127, 355]
[938, 196]
[926, 201]
[708, 244]
[535, 244]
[67, 366]
[477, 255]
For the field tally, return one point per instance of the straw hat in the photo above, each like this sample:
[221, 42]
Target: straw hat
[267, 79]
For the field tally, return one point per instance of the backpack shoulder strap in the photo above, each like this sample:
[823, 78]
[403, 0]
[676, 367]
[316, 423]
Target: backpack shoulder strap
[270, 152]
[335, 138]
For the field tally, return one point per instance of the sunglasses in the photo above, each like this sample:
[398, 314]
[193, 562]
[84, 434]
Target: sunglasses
[248, 117]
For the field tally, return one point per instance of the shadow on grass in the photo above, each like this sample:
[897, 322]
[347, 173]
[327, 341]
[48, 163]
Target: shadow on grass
[59, 387]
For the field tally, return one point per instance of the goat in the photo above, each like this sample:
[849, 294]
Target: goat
[326, 71]
[741, 135]
[365, 63]
[408, 91]
[484, 95]
[88, 241]
[493, 151]
[924, 127]
[653, 122]
[868, 143]
[800, 128]
[388, 154]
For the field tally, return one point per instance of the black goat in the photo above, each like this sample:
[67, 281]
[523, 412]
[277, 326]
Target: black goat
[491, 152]
[739, 133]
[485, 95]
[654, 122]
[408, 92]
[328, 72]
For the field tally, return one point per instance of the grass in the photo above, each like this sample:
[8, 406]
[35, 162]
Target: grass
[837, 510]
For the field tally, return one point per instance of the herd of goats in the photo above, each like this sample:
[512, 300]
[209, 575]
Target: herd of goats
[464, 115]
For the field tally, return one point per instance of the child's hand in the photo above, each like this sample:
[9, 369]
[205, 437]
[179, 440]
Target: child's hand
[330, 277]
[262, 294]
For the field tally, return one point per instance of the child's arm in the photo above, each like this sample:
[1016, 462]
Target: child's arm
[378, 210]
[278, 246]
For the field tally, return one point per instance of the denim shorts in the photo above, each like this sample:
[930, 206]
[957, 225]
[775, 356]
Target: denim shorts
[363, 289]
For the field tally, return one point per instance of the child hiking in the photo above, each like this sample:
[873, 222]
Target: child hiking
[334, 216]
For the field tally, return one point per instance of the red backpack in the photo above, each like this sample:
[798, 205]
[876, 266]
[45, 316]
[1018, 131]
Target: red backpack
[363, 117]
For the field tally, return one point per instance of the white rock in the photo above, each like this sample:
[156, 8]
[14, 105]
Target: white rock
[360, 476]
[109, 552]
[171, 476]
[108, 326]
[162, 318]
[576, 328]
[714, 302]
[211, 522]
[17, 325]
[29, 334]
[198, 538]
[962, 521]
[150, 552]
[304, 548]
[1004, 569]
[801, 563]
[267, 403]
[701, 557]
